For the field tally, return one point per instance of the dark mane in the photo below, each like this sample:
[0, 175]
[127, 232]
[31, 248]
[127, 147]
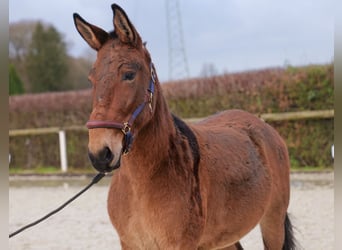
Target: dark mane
[187, 132]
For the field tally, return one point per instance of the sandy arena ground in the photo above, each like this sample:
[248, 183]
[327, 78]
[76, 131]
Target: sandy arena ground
[84, 224]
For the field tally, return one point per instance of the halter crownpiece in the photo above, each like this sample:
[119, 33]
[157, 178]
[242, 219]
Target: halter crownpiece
[125, 127]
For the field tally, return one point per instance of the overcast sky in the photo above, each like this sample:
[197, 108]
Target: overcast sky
[232, 35]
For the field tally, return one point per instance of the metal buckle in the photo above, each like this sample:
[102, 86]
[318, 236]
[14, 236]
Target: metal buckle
[126, 128]
[150, 101]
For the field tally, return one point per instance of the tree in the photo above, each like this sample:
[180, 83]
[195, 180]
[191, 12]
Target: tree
[47, 60]
[20, 35]
[15, 84]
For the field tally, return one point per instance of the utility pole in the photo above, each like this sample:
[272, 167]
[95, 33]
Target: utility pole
[178, 64]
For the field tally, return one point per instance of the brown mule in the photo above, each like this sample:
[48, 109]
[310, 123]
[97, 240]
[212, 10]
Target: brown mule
[179, 186]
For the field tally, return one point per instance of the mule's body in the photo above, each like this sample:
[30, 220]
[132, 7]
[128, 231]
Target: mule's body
[219, 201]
[198, 186]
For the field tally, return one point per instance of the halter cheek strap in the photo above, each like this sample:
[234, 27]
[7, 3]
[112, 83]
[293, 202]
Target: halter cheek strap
[126, 126]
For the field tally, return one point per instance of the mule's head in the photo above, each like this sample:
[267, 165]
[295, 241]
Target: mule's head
[121, 80]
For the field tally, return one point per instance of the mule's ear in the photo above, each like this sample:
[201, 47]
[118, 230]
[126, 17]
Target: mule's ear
[92, 34]
[124, 28]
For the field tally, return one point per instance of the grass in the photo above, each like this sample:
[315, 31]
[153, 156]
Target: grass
[50, 170]
[311, 169]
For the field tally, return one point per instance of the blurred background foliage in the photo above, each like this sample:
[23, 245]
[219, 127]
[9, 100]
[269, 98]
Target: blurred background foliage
[38, 56]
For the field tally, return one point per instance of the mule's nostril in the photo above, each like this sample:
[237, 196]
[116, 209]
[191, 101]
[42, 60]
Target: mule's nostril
[102, 158]
[108, 155]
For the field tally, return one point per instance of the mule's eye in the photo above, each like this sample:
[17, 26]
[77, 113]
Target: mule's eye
[128, 76]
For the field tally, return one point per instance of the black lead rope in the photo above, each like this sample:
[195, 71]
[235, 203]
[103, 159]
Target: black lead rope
[95, 180]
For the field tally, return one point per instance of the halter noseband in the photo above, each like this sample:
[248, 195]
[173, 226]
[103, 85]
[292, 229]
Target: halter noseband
[126, 126]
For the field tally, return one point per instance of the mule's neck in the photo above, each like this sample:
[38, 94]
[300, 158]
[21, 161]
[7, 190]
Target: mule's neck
[152, 144]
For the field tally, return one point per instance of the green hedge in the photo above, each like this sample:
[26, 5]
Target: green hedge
[264, 91]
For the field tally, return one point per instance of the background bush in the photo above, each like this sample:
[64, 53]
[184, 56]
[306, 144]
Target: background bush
[263, 91]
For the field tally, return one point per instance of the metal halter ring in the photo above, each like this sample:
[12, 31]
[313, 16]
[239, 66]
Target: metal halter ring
[126, 128]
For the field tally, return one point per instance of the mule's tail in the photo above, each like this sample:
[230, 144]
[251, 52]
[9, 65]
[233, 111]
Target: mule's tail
[289, 242]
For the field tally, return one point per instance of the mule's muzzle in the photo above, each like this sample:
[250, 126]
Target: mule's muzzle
[103, 160]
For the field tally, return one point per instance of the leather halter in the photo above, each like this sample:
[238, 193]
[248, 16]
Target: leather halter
[125, 127]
